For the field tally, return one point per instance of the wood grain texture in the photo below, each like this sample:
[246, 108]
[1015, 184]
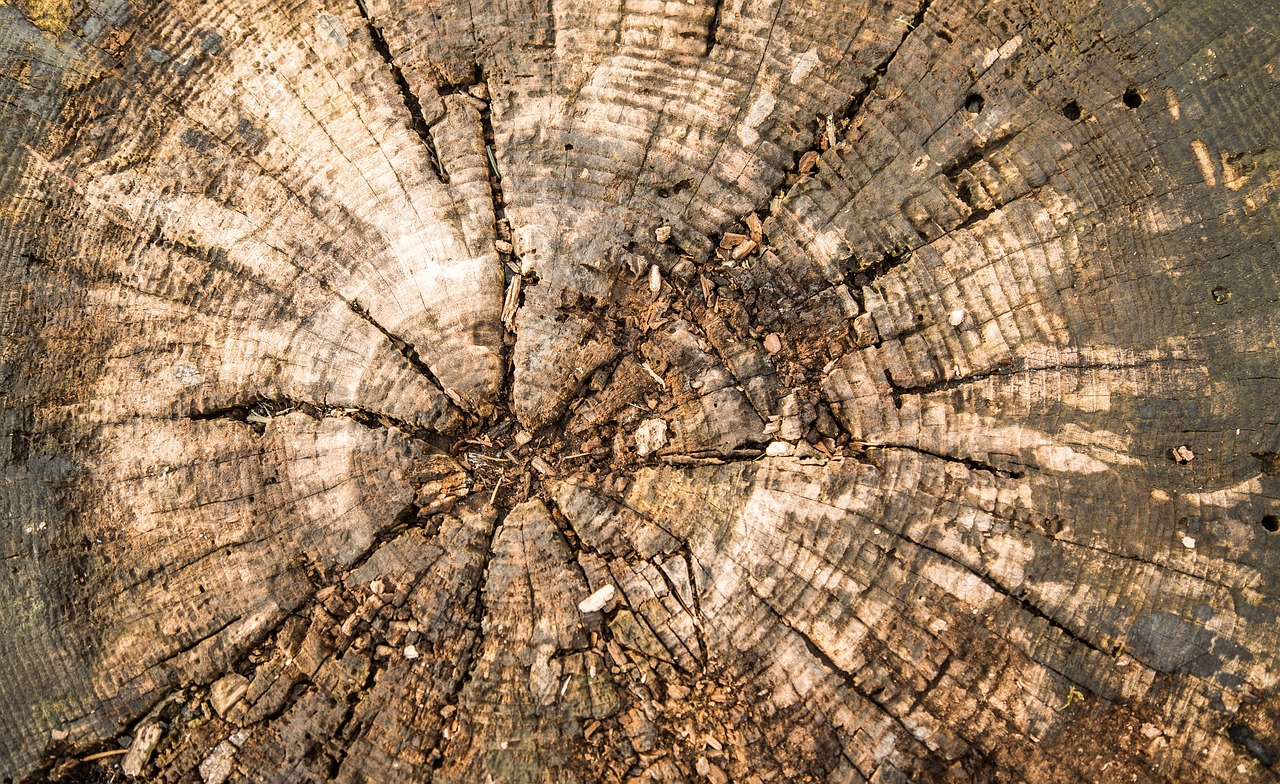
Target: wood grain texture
[897, 378]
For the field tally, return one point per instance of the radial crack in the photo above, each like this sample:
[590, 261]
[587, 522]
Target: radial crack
[417, 121]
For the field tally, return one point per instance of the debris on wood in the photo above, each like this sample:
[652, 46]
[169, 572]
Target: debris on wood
[956, 317]
[216, 767]
[779, 449]
[808, 161]
[654, 374]
[144, 743]
[1183, 455]
[596, 601]
[410, 652]
[227, 691]
[502, 246]
[655, 279]
[742, 251]
[511, 301]
[662, 233]
[754, 226]
[651, 436]
[773, 342]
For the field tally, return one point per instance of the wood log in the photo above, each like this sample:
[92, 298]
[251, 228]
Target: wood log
[702, 390]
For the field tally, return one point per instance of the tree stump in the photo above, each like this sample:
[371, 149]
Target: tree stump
[763, 390]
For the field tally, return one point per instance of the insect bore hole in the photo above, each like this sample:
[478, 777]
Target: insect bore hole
[1132, 98]
[974, 103]
[1071, 111]
[1271, 523]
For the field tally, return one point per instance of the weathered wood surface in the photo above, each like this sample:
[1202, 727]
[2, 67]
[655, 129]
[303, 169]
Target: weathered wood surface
[908, 369]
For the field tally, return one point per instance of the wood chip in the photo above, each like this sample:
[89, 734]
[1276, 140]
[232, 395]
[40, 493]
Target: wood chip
[773, 342]
[808, 161]
[227, 691]
[655, 279]
[1183, 455]
[596, 601]
[732, 240]
[662, 233]
[708, 288]
[542, 466]
[754, 226]
[144, 742]
[511, 302]
[744, 250]
[651, 436]
[502, 246]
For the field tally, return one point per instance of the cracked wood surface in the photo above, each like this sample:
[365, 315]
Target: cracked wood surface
[330, 334]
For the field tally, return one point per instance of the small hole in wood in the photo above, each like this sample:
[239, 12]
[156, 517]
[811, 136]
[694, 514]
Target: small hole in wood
[1271, 523]
[974, 103]
[568, 147]
[1132, 98]
[1071, 111]
[944, 35]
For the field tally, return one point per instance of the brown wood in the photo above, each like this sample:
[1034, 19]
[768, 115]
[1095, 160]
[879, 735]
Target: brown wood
[908, 370]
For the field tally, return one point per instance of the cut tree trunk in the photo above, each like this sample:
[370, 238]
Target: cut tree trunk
[600, 390]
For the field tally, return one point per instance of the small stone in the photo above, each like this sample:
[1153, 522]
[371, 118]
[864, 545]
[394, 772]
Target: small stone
[410, 652]
[773, 342]
[377, 587]
[596, 601]
[662, 233]
[956, 317]
[139, 754]
[227, 691]
[778, 449]
[1188, 543]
